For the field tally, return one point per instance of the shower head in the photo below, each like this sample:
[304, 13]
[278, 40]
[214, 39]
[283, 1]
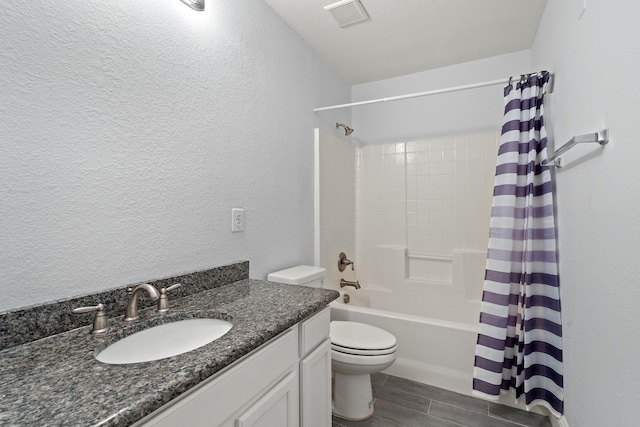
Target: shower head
[347, 129]
[194, 4]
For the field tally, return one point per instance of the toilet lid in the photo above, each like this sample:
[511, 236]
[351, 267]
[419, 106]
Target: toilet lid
[361, 336]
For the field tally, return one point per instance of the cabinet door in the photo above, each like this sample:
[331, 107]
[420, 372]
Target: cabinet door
[214, 402]
[315, 387]
[279, 407]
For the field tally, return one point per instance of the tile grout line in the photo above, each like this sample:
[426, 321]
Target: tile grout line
[448, 421]
[453, 402]
[440, 401]
[488, 416]
[420, 412]
[495, 417]
[386, 377]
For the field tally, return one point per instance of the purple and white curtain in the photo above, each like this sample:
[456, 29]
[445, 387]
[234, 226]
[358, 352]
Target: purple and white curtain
[520, 337]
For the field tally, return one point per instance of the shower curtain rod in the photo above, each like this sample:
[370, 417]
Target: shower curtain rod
[427, 93]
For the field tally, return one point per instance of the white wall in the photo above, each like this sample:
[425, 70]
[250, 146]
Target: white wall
[444, 114]
[595, 60]
[130, 129]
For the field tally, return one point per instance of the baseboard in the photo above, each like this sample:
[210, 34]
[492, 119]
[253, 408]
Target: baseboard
[558, 422]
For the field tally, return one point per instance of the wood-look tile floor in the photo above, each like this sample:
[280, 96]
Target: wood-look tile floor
[404, 403]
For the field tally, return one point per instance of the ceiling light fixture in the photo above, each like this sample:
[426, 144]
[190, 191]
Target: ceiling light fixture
[194, 4]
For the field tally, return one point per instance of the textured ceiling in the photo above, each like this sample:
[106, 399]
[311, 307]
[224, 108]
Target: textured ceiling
[408, 36]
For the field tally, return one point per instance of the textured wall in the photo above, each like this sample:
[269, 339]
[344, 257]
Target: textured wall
[130, 129]
[595, 61]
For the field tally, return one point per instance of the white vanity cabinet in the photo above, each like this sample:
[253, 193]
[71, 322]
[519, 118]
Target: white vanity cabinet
[278, 407]
[285, 383]
[315, 371]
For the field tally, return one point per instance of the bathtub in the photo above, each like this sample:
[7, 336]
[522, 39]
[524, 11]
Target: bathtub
[431, 350]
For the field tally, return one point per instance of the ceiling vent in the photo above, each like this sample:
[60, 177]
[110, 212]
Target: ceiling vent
[347, 12]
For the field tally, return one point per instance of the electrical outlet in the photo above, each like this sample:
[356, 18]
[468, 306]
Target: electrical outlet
[237, 220]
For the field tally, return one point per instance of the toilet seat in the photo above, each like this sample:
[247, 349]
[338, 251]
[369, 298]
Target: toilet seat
[358, 361]
[361, 339]
[361, 352]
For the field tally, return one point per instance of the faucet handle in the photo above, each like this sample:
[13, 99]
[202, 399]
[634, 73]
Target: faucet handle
[343, 262]
[99, 321]
[163, 302]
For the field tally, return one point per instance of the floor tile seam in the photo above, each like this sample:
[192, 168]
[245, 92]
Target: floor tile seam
[431, 400]
[385, 420]
[404, 407]
[515, 423]
[437, 400]
[374, 416]
[462, 407]
[430, 415]
[385, 380]
[447, 421]
[408, 392]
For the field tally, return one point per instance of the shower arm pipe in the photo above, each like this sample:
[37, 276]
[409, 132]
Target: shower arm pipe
[427, 93]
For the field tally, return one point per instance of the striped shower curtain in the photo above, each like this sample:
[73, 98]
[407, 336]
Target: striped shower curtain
[520, 336]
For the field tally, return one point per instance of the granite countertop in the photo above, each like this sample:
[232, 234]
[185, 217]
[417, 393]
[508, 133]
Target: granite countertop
[57, 381]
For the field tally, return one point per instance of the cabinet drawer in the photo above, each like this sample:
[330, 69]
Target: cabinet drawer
[214, 401]
[313, 331]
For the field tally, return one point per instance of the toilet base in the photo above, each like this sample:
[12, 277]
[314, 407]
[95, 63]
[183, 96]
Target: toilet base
[352, 396]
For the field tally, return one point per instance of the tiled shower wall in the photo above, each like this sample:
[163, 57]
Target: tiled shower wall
[431, 196]
[380, 210]
[449, 191]
[335, 197]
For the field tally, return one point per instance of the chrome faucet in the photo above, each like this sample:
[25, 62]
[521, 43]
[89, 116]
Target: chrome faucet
[132, 305]
[344, 283]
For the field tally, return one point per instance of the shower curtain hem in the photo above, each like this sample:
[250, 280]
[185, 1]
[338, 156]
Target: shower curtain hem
[535, 403]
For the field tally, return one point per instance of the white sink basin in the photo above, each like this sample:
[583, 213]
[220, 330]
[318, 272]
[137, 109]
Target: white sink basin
[169, 339]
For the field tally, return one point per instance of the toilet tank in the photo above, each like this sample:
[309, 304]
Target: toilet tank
[306, 275]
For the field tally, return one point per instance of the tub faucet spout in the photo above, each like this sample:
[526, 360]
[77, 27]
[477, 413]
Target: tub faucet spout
[344, 283]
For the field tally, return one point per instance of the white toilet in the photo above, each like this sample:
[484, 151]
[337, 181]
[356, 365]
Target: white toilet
[357, 351]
